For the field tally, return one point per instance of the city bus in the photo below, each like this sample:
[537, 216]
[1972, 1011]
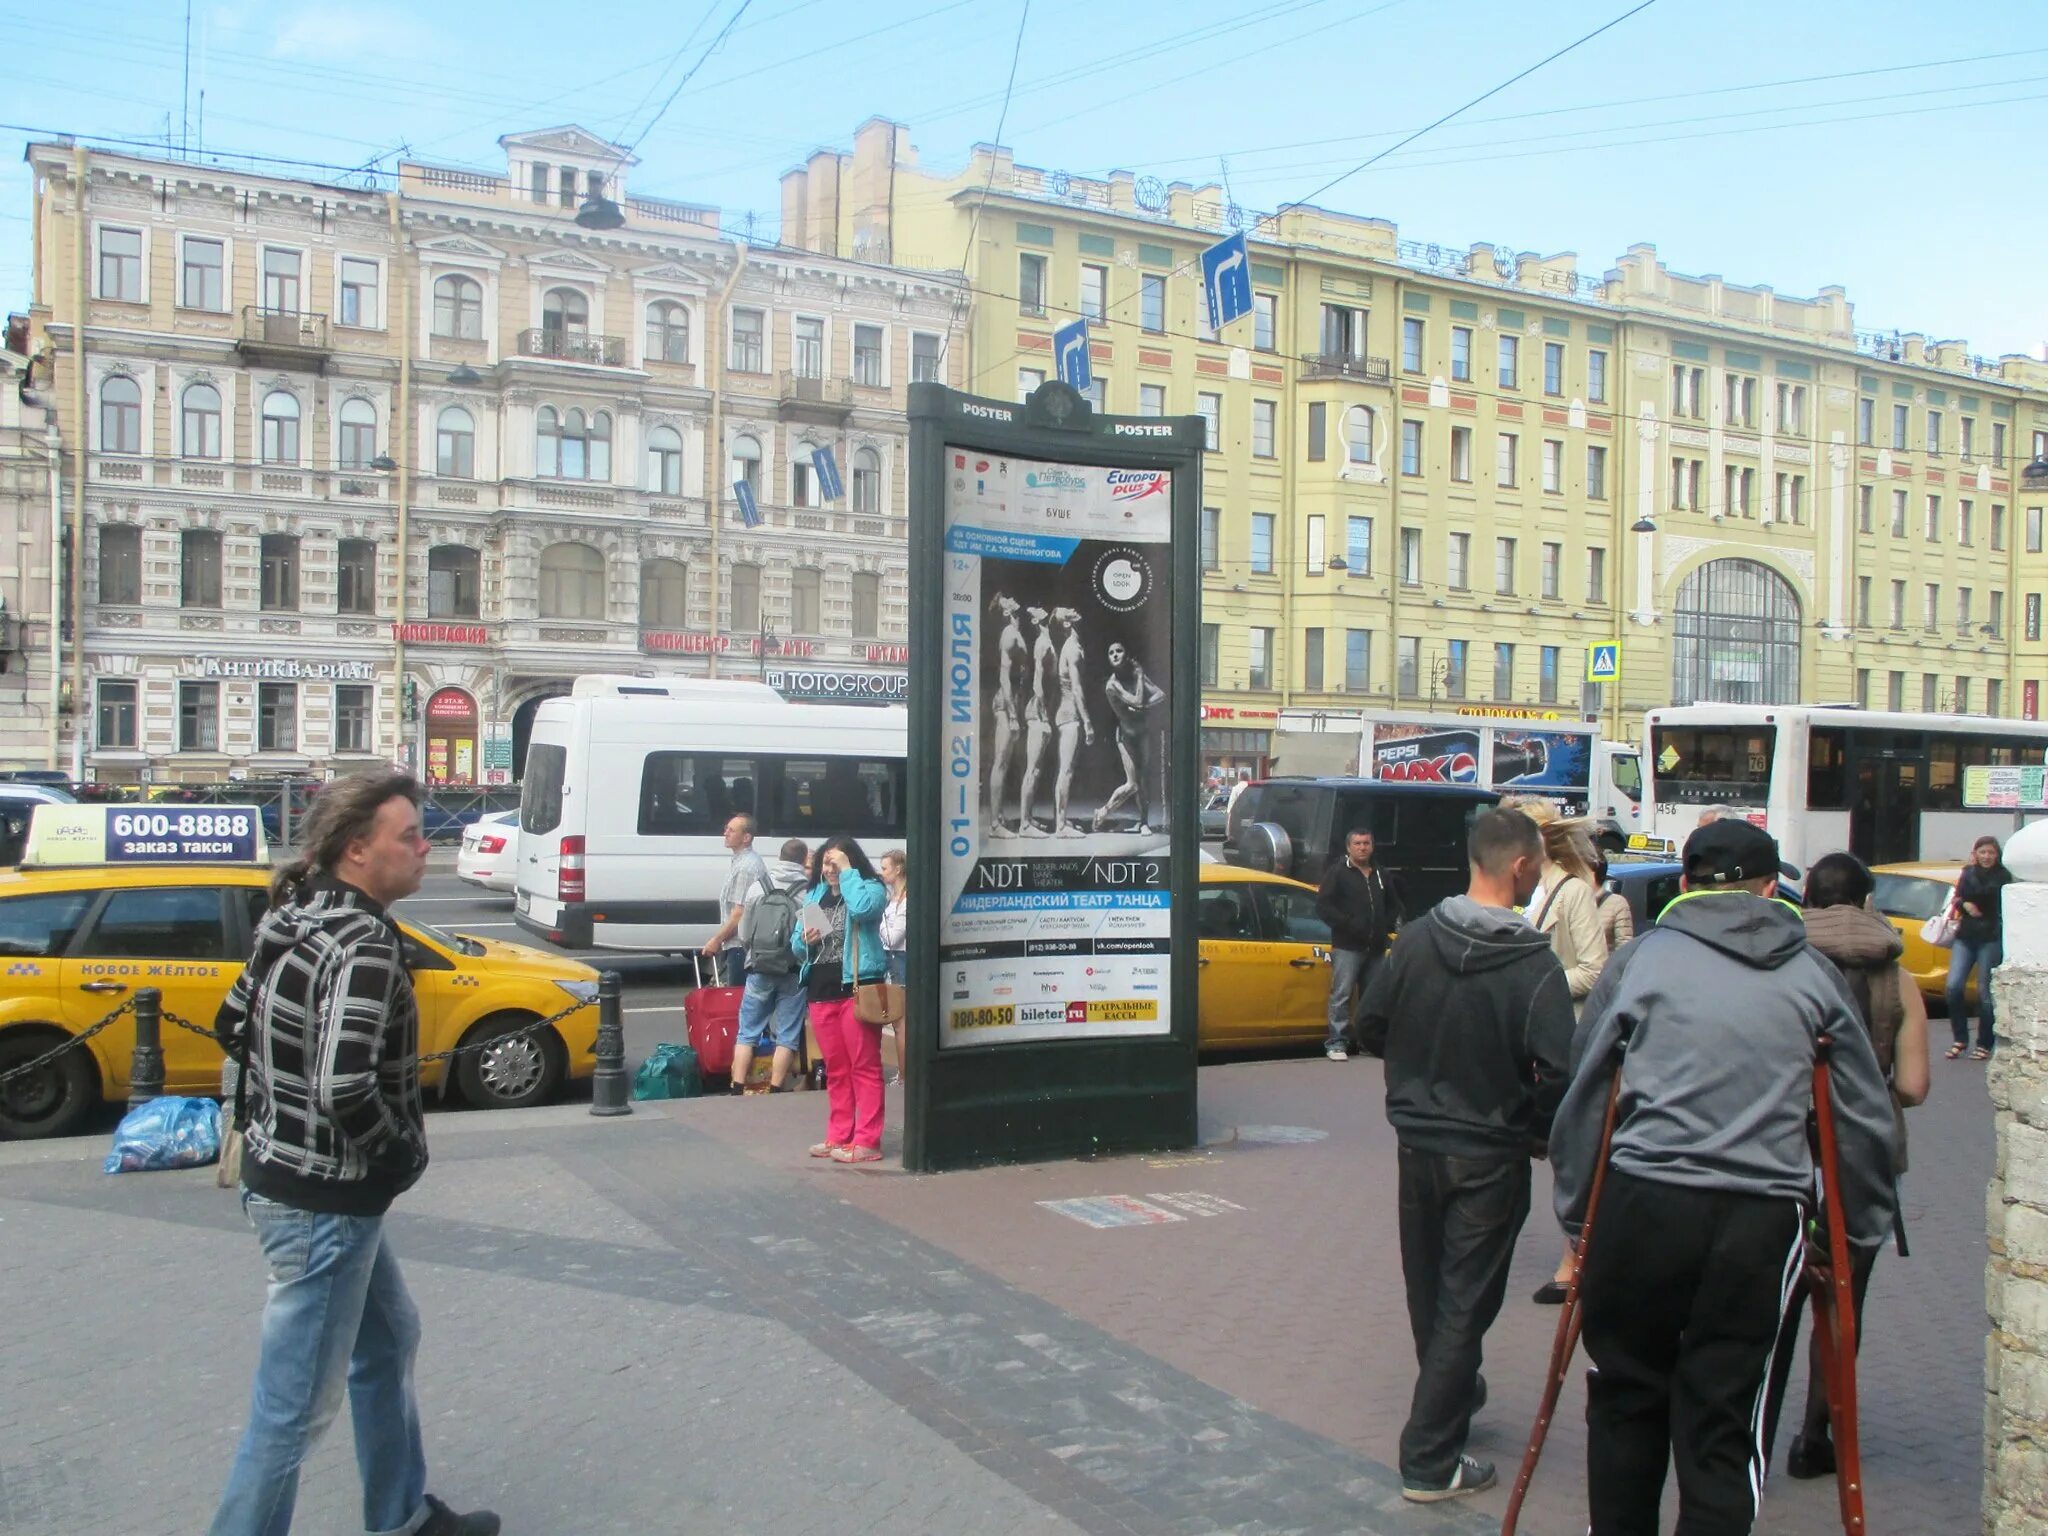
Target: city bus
[1887, 787]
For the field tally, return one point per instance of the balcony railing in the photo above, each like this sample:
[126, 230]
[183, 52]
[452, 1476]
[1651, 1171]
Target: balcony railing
[574, 347]
[1343, 365]
[808, 393]
[291, 336]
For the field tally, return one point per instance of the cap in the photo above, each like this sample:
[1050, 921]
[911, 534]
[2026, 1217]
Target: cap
[1729, 851]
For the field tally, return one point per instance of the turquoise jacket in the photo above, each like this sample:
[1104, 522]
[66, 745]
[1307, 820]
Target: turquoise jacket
[864, 899]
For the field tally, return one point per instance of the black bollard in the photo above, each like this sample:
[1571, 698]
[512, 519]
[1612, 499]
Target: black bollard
[146, 1066]
[611, 1085]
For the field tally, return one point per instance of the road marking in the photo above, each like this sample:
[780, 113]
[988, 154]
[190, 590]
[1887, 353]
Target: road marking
[1112, 1211]
[482, 927]
[425, 901]
[657, 1008]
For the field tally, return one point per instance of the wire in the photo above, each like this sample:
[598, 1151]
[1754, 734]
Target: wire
[626, 119]
[974, 223]
[691, 73]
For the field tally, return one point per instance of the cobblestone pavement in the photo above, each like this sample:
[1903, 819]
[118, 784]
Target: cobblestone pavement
[680, 1322]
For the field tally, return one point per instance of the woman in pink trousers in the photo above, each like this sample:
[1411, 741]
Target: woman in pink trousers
[839, 942]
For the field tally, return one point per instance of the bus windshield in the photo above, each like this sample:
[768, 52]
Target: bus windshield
[1713, 763]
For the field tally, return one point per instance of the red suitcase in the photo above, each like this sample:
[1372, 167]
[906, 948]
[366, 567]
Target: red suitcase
[712, 1016]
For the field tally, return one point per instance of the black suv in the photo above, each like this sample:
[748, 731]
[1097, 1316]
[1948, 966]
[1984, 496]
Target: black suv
[1297, 826]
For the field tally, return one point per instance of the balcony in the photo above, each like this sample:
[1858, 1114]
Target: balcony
[808, 397]
[1343, 365]
[290, 338]
[574, 347]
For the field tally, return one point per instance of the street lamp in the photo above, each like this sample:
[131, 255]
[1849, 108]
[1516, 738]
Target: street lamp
[464, 376]
[384, 463]
[600, 212]
[2035, 474]
[1642, 525]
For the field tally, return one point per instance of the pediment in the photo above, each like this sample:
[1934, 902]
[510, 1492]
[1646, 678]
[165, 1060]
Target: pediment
[669, 272]
[570, 139]
[461, 245]
[567, 261]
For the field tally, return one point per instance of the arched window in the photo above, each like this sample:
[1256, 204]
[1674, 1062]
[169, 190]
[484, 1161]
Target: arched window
[665, 461]
[746, 462]
[664, 594]
[454, 582]
[600, 447]
[548, 442]
[458, 307]
[1358, 434]
[668, 332]
[358, 434]
[571, 582]
[867, 480]
[455, 443]
[564, 315]
[280, 427]
[804, 490]
[1735, 636]
[745, 588]
[120, 415]
[199, 422]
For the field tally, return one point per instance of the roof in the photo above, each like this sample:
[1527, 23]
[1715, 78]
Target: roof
[1213, 874]
[73, 877]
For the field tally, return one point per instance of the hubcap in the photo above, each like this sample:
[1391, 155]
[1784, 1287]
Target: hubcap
[513, 1068]
[34, 1095]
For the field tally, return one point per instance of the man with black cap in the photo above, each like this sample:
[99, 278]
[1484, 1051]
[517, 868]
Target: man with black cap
[1715, 1017]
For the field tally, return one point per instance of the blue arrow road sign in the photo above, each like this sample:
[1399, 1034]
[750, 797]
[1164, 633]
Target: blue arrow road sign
[1070, 352]
[750, 510]
[827, 469]
[1227, 281]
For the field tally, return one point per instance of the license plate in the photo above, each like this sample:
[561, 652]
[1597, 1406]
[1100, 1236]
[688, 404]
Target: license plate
[522, 902]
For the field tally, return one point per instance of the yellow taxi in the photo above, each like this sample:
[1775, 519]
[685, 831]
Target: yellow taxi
[1265, 961]
[85, 921]
[1909, 894]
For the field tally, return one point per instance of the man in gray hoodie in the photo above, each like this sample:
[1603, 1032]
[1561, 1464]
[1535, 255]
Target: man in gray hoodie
[772, 1006]
[1715, 1019]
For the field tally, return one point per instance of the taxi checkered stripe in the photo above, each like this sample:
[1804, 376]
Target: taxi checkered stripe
[24, 968]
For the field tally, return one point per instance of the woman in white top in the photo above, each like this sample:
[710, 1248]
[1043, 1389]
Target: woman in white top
[895, 919]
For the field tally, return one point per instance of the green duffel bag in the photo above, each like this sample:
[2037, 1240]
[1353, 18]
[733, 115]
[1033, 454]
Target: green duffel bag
[670, 1073]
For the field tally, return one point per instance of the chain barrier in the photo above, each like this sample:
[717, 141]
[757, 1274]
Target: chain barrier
[78, 1039]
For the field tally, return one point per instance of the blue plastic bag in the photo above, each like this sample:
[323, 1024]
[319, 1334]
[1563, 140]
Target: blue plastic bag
[166, 1133]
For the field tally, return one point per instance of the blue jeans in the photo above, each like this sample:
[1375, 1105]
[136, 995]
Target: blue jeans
[1982, 955]
[338, 1317]
[899, 966]
[1350, 973]
[773, 1007]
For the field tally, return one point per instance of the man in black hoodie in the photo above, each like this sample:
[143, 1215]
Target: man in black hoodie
[1474, 1017]
[1355, 902]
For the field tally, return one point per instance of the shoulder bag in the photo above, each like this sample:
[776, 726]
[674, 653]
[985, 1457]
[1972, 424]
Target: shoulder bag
[874, 1002]
[1940, 929]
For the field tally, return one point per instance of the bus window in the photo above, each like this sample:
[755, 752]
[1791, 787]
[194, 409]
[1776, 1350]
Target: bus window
[839, 796]
[540, 797]
[1714, 763]
[1827, 770]
[1944, 774]
[1628, 775]
[683, 793]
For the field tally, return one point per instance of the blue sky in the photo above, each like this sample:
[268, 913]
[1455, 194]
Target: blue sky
[1886, 145]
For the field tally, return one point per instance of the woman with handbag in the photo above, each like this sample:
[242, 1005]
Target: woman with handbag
[845, 975]
[1978, 909]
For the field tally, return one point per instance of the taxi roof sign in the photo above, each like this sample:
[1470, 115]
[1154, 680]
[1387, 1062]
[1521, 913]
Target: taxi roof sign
[75, 836]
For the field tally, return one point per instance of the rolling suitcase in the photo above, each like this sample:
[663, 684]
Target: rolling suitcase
[712, 1015]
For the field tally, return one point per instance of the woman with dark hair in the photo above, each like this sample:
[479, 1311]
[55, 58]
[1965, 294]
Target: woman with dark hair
[1617, 918]
[839, 945]
[1979, 946]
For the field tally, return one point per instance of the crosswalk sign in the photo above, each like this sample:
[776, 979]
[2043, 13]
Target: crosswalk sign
[1603, 662]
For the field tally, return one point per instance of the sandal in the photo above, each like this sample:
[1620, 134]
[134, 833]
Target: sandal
[1980, 1054]
[1956, 1050]
[857, 1155]
[826, 1149]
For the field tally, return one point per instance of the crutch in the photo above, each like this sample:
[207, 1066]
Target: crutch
[1834, 1307]
[1568, 1318]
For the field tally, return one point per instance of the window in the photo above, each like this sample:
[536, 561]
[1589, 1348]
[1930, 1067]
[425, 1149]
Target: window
[572, 446]
[1930, 614]
[1314, 546]
[664, 594]
[1934, 431]
[458, 308]
[199, 717]
[202, 272]
[1262, 429]
[1998, 444]
[1151, 399]
[1969, 439]
[1866, 509]
[277, 717]
[1737, 491]
[1863, 585]
[1503, 671]
[120, 415]
[1966, 520]
[1685, 485]
[1031, 284]
[564, 319]
[668, 332]
[1596, 575]
[1596, 376]
[746, 463]
[181, 922]
[1358, 435]
[199, 568]
[1997, 525]
[1546, 675]
[280, 281]
[1791, 407]
[1553, 467]
[1312, 660]
[117, 707]
[868, 356]
[121, 265]
[1929, 693]
[1411, 557]
[745, 597]
[1357, 660]
[455, 443]
[120, 563]
[1899, 416]
[805, 583]
[2033, 530]
[1264, 321]
[1262, 543]
[1259, 658]
[1510, 360]
[1596, 473]
[1553, 562]
[1686, 386]
[867, 481]
[1343, 336]
[1866, 422]
[1863, 687]
[1791, 498]
[1454, 668]
[199, 422]
[1358, 545]
[1932, 530]
[568, 193]
[665, 461]
[1963, 605]
[1458, 561]
[1553, 368]
[1898, 514]
[1029, 381]
[1895, 692]
[1212, 538]
[1211, 658]
[1411, 447]
[1504, 566]
[867, 605]
[358, 434]
[748, 334]
[1408, 665]
[572, 582]
[1094, 290]
[1210, 408]
[1996, 619]
[1505, 446]
[280, 427]
[806, 489]
[807, 347]
[924, 358]
[1152, 301]
[1741, 400]
[1411, 345]
[1318, 417]
[1994, 696]
[359, 292]
[280, 572]
[355, 576]
[2033, 619]
[1898, 605]
[1461, 352]
[351, 717]
[1461, 455]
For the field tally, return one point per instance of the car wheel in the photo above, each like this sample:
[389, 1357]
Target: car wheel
[510, 1073]
[55, 1098]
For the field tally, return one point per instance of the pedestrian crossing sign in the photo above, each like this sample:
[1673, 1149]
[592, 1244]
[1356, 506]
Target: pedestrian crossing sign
[1603, 662]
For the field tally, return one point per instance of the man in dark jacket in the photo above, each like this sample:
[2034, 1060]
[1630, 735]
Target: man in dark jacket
[1715, 1016]
[1355, 903]
[324, 1022]
[1474, 1016]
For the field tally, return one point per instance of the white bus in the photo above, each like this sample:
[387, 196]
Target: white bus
[1887, 787]
[630, 781]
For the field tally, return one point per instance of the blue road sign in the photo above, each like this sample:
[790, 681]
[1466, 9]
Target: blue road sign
[1603, 662]
[1227, 281]
[1070, 353]
[827, 469]
[750, 510]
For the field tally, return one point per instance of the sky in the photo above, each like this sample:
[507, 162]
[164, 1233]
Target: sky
[1883, 145]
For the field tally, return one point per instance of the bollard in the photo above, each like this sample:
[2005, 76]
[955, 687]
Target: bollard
[611, 1085]
[146, 1066]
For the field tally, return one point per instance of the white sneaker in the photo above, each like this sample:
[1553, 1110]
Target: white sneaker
[1469, 1476]
[1337, 1053]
